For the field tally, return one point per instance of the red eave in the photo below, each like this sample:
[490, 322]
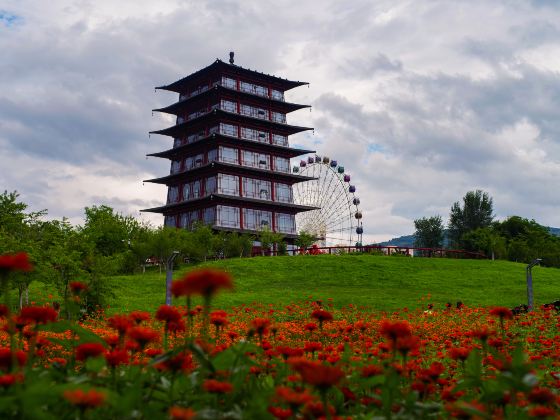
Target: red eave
[176, 130]
[280, 106]
[214, 139]
[215, 167]
[229, 199]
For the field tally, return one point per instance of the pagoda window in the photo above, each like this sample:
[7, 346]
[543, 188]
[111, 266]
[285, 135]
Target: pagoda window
[196, 192]
[283, 193]
[256, 188]
[209, 215]
[186, 191]
[175, 166]
[212, 155]
[254, 89]
[176, 142]
[285, 223]
[184, 222]
[228, 129]
[229, 83]
[228, 184]
[255, 135]
[278, 117]
[211, 185]
[227, 216]
[215, 129]
[198, 160]
[196, 136]
[228, 106]
[276, 94]
[170, 221]
[279, 140]
[256, 219]
[172, 195]
[254, 112]
[256, 160]
[281, 164]
[180, 120]
[229, 155]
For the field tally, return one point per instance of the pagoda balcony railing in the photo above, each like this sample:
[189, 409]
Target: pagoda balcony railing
[248, 111]
[243, 87]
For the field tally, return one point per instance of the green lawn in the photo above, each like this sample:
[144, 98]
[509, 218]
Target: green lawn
[376, 282]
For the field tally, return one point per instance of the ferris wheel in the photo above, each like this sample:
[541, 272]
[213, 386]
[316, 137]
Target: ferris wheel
[338, 219]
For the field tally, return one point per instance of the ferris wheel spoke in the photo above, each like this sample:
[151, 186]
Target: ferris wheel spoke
[333, 220]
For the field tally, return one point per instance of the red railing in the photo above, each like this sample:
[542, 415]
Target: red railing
[386, 250]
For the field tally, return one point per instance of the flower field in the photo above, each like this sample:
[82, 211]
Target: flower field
[300, 361]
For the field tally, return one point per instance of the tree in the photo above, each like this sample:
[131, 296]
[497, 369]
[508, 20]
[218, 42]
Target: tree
[486, 240]
[304, 239]
[429, 232]
[475, 213]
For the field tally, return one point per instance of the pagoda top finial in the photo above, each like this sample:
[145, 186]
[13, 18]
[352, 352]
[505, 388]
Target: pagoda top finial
[231, 53]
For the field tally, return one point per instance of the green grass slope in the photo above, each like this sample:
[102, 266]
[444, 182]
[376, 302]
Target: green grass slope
[383, 283]
[375, 282]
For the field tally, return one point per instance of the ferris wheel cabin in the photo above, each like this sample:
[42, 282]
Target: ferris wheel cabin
[230, 160]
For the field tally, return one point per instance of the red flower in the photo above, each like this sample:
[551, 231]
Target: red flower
[260, 325]
[542, 412]
[292, 397]
[216, 387]
[218, 320]
[310, 327]
[119, 322]
[482, 334]
[321, 315]
[77, 287]
[205, 282]
[407, 343]
[38, 314]
[85, 399]
[179, 362]
[501, 312]
[371, 370]
[181, 413]
[117, 357]
[317, 374]
[3, 311]
[280, 413]
[541, 396]
[139, 316]
[143, 335]
[87, 350]
[10, 379]
[15, 262]
[394, 330]
[6, 358]
[167, 314]
[312, 347]
[459, 353]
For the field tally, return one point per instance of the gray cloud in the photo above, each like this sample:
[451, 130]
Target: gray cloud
[420, 100]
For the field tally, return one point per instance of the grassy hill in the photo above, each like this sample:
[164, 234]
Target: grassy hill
[375, 282]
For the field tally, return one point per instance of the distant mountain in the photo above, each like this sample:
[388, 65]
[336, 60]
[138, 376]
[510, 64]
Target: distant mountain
[408, 240]
[554, 231]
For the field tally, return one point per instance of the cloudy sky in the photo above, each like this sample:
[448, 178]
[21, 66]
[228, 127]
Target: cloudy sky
[421, 100]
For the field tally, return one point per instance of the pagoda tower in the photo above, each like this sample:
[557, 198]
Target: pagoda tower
[230, 160]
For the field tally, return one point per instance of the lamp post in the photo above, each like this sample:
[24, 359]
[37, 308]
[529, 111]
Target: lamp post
[169, 276]
[530, 302]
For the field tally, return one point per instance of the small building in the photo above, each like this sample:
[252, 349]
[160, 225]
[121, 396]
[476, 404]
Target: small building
[230, 160]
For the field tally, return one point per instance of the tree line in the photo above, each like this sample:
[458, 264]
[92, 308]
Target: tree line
[472, 227]
[109, 243]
